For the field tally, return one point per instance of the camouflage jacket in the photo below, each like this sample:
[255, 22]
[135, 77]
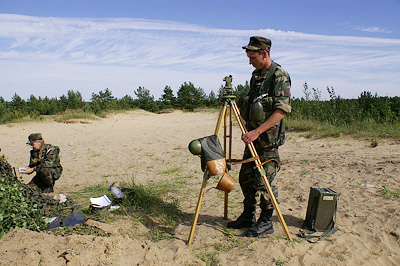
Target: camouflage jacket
[48, 159]
[272, 91]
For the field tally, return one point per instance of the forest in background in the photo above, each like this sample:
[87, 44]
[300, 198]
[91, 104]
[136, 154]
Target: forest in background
[308, 112]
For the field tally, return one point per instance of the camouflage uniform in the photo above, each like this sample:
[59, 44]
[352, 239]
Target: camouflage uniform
[273, 92]
[46, 164]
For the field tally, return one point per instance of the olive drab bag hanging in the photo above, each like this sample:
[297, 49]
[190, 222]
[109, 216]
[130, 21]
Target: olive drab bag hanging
[212, 155]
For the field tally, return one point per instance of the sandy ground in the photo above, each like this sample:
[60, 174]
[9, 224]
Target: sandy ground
[143, 146]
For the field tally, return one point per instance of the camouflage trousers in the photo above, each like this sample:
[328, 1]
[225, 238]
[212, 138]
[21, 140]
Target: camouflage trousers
[251, 182]
[45, 178]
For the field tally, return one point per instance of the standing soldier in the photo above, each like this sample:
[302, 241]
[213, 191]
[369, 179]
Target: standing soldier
[45, 162]
[263, 110]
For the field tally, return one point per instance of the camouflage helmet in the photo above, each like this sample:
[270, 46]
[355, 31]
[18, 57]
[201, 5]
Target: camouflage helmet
[34, 137]
[258, 43]
[195, 147]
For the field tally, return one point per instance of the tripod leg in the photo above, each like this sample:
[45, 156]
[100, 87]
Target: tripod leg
[227, 154]
[196, 215]
[226, 206]
[221, 117]
[262, 172]
[230, 135]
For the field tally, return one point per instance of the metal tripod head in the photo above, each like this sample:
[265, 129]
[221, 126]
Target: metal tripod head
[228, 90]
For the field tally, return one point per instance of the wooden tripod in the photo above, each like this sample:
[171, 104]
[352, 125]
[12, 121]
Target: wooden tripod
[228, 101]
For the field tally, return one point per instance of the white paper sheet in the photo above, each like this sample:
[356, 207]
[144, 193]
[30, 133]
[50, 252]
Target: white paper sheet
[100, 202]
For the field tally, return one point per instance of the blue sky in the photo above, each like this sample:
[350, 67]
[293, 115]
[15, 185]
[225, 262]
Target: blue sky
[50, 47]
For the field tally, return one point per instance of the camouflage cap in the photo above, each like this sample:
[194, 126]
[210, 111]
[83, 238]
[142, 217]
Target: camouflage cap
[258, 43]
[34, 137]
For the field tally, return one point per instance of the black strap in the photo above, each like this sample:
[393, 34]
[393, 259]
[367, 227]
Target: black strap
[309, 234]
[238, 161]
[268, 79]
[264, 88]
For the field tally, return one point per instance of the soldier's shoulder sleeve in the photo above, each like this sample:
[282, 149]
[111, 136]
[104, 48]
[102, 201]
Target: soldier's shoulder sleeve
[282, 84]
[51, 155]
[49, 148]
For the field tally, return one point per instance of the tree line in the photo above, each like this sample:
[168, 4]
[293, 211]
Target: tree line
[335, 111]
[367, 107]
[188, 97]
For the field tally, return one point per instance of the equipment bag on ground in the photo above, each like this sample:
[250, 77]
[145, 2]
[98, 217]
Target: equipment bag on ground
[320, 215]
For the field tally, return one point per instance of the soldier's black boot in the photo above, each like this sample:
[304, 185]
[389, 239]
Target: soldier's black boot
[47, 189]
[245, 220]
[263, 226]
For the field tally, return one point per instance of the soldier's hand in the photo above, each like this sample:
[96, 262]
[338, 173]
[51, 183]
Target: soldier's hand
[28, 171]
[250, 137]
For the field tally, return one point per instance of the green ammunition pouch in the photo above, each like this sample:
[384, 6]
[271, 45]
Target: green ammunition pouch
[273, 137]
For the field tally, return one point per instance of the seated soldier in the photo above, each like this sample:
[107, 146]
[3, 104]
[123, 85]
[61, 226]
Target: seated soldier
[45, 162]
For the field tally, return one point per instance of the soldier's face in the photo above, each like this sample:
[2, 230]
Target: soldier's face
[36, 145]
[256, 59]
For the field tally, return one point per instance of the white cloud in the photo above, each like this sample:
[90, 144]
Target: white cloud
[373, 29]
[49, 56]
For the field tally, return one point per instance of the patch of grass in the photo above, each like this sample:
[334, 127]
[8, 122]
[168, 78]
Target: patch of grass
[278, 237]
[75, 114]
[280, 262]
[88, 192]
[160, 211]
[210, 258]
[83, 196]
[209, 252]
[298, 240]
[159, 234]
[95, 154]
[28, 119]
[234, 241]
[181, 182]
[389, 193]
[358, 129]
[304, 172]
[288, 188]
[302, 125]
[170, 170]
[207, 109]
[151, 204]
